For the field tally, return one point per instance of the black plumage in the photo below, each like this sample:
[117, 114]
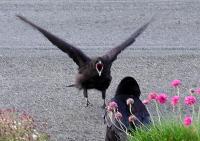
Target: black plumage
[93, 73]
[127, 88]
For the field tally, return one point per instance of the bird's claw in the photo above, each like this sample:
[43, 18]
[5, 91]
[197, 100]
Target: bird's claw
[88, 103]
[103, 106]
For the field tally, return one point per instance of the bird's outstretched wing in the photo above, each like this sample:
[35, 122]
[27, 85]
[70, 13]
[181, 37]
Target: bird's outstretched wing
[112, 54]
[76, 54]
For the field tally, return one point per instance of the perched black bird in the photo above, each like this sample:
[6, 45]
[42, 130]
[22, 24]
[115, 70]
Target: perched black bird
[127, 88]
[93, 73]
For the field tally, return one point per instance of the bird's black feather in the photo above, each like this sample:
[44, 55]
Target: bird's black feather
[113, 53]
[76, 54]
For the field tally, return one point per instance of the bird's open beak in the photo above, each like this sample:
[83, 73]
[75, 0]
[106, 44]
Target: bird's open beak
[99, 68]
[99, 73]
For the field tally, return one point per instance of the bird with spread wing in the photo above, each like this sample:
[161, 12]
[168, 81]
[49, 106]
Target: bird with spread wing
[93, 73]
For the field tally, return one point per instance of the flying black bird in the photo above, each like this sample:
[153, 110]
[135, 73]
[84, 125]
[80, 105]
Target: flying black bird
[127, 88]
[93, 73]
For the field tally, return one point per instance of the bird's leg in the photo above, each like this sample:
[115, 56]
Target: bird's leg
[104, 99]
[86, 97]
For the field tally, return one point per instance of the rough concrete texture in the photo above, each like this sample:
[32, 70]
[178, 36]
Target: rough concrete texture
[34, 74]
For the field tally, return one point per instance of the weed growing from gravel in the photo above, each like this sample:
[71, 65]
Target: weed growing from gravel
[16, 126]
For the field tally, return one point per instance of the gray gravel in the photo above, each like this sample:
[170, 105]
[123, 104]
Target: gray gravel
[34, 74]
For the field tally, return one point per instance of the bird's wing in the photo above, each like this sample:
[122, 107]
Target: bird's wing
[112, 54]
[76, 54]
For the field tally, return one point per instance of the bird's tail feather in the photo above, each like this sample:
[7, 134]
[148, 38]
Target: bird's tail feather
[72, 85]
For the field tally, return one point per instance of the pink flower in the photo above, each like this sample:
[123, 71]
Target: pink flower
[161, 98]
[175, 100]
[129, 101]
[118, 115]
[132, 118]
[145, 101]
[25, 117]
[152, 95]
[112, 106]
[109, 109]
[197, 91]
[187, 121]
[175, 83]
[190, 100]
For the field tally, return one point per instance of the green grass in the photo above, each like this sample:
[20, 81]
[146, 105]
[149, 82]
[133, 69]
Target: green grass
[168, 131]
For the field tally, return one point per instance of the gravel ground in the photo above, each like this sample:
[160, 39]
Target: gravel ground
[34, 74]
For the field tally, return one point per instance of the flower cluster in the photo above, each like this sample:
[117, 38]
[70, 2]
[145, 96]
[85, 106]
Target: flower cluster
[113, 107]
[187, 121]
[190, 100]
[175, 83]
[175, 101]
[159, 97]
[19, 126]
[162, 98]
[114, 115]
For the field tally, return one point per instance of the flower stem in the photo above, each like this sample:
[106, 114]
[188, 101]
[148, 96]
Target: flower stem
[198, 117]
[179, 109]
[111, 119]
[193, 112]
[178, 91]
[122, 125]
[157, 110]
[151, 117]
[179, 106]
[134, 125]
[130, 109]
